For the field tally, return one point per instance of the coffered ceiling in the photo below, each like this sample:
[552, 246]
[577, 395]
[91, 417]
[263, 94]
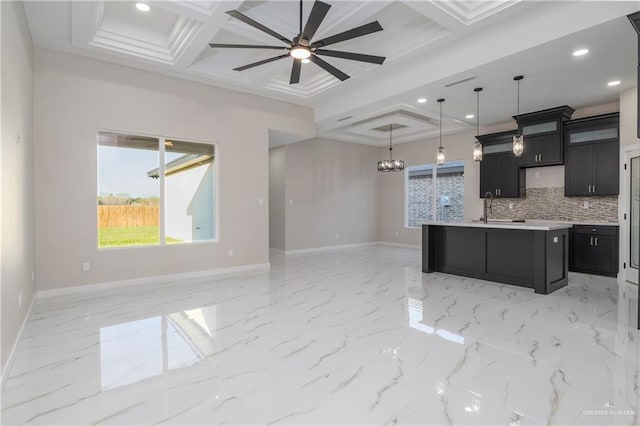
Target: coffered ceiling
[428, 44]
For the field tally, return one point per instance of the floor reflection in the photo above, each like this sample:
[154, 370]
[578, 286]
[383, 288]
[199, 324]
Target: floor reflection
[137, 350]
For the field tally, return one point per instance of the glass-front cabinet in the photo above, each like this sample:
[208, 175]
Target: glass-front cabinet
[542, 131]
[592, 156]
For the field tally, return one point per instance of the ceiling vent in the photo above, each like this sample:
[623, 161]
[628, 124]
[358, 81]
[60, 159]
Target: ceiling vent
[460, 81]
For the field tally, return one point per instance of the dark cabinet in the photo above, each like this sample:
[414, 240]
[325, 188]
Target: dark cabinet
[592, 156]
[543, 136]
[594, 250]
[500, 171]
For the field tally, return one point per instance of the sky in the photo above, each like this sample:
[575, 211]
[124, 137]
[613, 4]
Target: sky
[124, 171]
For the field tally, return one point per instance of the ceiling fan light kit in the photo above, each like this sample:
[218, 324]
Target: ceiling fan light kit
[301, 48]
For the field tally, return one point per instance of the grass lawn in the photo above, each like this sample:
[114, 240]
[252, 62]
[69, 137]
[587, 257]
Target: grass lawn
[131, 236]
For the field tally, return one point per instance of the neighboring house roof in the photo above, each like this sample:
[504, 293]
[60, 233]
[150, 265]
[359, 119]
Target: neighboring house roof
[180, 164]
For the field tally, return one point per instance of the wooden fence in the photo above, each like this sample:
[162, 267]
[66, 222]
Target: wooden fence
[123, 216]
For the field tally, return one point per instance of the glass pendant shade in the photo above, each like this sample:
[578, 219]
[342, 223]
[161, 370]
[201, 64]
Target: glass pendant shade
[440, 151]
[390, 165]
[477, 151]
[518, 140]
[440, 155]
[518, 145]
[477, 146]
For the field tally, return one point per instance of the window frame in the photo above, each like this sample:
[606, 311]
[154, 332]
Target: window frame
[162, 208]
[434, 185]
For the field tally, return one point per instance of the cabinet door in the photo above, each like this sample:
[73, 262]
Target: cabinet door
[489, 174]
[606, 169]
[605, 260]
[509, 176]
[578, 170]
[531, 151]
[550, 150]
[582, 249]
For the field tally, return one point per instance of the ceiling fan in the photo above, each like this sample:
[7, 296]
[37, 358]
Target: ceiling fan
[302, 48]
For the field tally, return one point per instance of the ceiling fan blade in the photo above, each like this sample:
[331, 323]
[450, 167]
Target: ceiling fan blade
[244, 46]
[356, 32]
[258, 26]
[329, 68]
[264, 61]
[353, 56]
[295, 72]
[318, 12]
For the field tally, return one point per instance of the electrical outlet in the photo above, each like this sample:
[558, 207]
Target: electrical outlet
[230, 252]
[337, 236]
[510, 206]
[33, 276]
[396, 233]
[20, 300]
[261, 201]
[290, 202]
[585, 205]
[86, 266]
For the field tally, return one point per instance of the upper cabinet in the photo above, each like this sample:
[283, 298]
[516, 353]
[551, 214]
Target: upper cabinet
[592, 156]
[500, 171]
[543, 136]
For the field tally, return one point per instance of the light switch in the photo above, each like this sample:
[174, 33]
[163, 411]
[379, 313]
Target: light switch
[585, 205]
[261, 201]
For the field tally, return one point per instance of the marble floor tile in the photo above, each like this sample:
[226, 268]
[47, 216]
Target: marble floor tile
[356, 336]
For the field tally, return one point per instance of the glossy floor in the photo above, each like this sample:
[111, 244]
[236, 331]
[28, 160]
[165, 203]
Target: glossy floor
[358, 336]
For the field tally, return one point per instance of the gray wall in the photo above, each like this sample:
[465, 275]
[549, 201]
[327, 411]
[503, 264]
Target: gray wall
[18, 247]
[330, 194]
[74, 96]
[277, 208]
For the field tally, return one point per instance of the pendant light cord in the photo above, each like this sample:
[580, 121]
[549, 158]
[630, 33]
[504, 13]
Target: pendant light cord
[300, 19]
[518, 107]
[390, 134]
[440, 101]
[478, 112]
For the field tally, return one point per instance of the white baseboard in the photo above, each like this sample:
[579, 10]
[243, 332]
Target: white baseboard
[12, 354]
[235, 270]
[327, 248]
[410, 246]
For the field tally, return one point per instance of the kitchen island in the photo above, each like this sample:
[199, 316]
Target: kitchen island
[533, 254]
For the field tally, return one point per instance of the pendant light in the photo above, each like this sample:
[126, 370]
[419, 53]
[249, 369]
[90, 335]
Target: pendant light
[477, 146]
[518, 140]
[440, 152]
[390, 165]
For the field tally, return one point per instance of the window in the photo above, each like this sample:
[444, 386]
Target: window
[154, 191]
[434, 193]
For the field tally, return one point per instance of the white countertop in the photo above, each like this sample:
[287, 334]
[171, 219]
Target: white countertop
[529, 225]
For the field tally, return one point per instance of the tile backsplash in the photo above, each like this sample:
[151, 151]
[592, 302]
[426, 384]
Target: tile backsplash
[551, 204]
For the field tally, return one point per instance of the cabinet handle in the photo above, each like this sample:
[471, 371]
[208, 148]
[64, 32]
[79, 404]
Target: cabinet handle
[596, 241]
[589, 189]
[594, 189]
[591, 242]
[540, 157]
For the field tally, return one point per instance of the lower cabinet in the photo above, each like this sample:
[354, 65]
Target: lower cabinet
[594, 250]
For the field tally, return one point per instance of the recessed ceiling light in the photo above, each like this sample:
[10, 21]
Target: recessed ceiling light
[580, 52]
[305, 60]
[143, 7]
[613, 83]
[469, 116]
[422, 100]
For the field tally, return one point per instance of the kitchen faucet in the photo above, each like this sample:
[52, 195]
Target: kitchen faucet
[487, 196]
